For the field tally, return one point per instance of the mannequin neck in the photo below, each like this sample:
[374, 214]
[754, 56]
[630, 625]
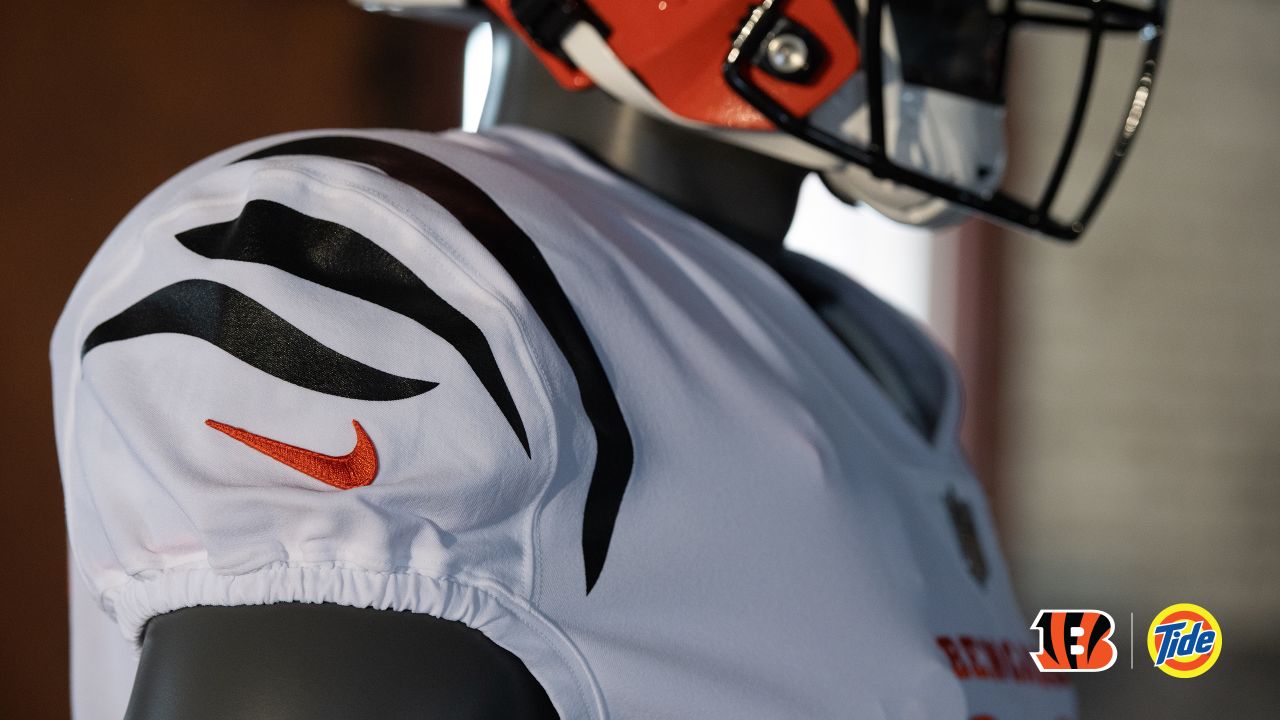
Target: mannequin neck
[748, 197]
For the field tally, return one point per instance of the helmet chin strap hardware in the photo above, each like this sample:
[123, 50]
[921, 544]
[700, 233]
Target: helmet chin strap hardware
[790, 52]
[548, 21]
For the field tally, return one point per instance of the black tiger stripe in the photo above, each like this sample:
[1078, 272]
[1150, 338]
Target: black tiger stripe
[522, 260]
[1101, 626]
[1073, 620]
[342, 259]
[241, 326]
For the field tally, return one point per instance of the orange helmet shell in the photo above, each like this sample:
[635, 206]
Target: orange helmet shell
[678, 47]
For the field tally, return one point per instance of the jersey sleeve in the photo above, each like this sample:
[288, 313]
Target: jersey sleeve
[292, 378]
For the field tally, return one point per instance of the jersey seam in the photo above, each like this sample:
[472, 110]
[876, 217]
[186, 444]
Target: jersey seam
[536, 585]
[420, 226]
[420, 220]
[89, 387]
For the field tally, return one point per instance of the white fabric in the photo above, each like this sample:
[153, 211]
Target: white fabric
[783, 548]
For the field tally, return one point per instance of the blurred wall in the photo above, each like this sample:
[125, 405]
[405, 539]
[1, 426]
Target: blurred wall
[1141, 418]
[99, 103]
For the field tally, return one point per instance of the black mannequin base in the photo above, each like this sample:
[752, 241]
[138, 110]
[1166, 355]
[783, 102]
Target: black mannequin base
[296, 661]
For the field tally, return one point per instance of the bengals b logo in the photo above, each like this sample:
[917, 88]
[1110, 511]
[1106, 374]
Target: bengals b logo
[1074, 641]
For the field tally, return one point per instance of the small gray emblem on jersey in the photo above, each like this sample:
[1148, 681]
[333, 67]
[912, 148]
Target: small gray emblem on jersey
[967, 535]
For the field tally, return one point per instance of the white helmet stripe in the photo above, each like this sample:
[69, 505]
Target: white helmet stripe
[591, 53]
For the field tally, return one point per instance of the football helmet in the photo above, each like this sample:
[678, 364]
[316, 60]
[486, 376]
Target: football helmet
[897, 103]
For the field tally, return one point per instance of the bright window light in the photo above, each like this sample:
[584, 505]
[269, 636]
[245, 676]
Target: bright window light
[892, 260]
[477, 69]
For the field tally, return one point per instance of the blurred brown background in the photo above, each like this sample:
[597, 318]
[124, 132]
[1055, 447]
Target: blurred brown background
[1127, 391]
[99, 103]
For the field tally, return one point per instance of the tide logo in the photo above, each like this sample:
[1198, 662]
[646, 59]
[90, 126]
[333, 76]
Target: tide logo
[1074, 641]
[1185, 640]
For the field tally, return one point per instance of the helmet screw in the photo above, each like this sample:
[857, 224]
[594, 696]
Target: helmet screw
[787, 53]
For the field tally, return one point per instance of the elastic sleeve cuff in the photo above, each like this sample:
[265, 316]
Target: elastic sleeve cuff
[505, 620]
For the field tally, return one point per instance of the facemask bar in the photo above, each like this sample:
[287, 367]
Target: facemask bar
[1103, 16]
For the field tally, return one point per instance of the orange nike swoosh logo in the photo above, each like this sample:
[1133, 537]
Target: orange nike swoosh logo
[355, 469]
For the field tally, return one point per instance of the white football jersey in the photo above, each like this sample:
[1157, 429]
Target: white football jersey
[479, 377]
